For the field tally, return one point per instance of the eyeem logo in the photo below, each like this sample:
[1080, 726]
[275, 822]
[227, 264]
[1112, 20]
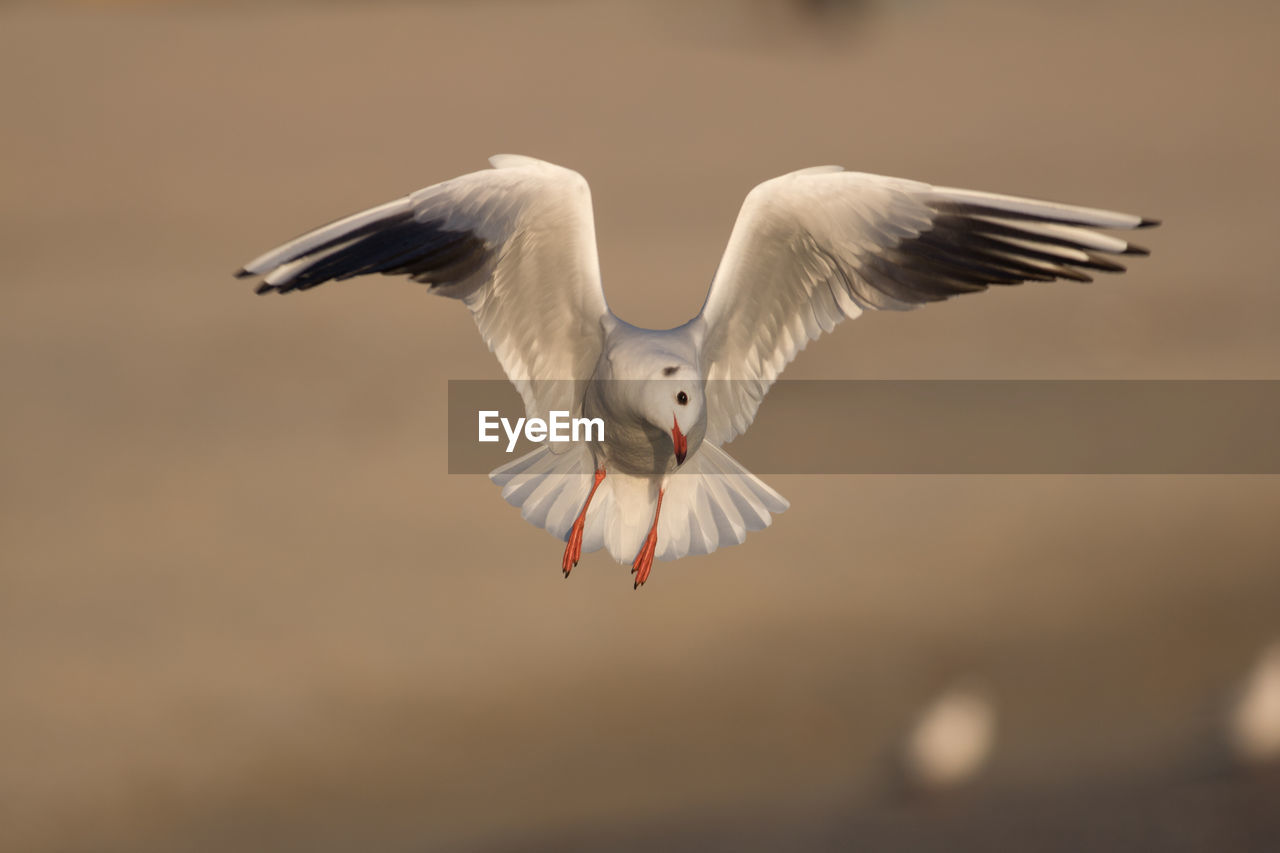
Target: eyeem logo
[560, 427]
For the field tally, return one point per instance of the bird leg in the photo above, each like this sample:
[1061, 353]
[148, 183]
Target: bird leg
[573, 550]
[644, 560]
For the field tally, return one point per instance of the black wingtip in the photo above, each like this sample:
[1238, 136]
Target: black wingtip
[1148, 223]
[1133, 249]
[264, 288]
[243, 273]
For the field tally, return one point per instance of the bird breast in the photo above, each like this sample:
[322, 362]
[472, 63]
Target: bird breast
[631, 444]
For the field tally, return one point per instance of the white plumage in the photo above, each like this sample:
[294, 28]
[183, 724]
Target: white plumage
[516, 244]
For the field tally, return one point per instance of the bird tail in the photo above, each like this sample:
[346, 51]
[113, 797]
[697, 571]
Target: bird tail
[550, 488]
[709, 503]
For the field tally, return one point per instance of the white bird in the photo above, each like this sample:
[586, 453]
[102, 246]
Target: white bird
[516, 243]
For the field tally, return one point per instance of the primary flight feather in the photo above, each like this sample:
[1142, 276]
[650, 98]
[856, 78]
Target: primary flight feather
[516, 243]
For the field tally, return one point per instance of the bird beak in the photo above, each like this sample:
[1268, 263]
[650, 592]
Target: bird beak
[679, 441]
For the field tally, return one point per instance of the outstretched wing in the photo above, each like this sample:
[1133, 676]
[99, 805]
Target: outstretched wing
[515, 243]
[815, 246]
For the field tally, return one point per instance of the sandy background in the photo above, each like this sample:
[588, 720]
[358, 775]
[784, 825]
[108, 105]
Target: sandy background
[242, 605]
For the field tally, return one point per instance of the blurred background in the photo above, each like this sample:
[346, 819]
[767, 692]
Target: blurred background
[243, 605]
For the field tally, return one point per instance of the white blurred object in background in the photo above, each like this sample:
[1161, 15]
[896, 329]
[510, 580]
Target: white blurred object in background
[952, 739]
[1254, 722]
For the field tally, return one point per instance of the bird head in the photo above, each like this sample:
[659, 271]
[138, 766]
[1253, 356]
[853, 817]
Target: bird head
[674, 402]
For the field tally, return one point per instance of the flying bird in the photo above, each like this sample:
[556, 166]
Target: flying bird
[516, 244]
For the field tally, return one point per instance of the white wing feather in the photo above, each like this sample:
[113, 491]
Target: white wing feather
[816, 246]
[515, 243]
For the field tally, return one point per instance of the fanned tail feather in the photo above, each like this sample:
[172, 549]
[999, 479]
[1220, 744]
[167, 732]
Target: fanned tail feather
[550, 488]
[710, 503]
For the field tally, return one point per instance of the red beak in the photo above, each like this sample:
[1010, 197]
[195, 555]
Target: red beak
[679, 441]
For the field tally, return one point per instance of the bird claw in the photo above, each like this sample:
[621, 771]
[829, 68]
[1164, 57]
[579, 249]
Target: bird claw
[573, 548]
[644, 560]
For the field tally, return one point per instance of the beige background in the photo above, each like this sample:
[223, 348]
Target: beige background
[242, 605]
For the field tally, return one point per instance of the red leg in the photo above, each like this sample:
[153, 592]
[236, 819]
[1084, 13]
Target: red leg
[573, 550]
[644, 560]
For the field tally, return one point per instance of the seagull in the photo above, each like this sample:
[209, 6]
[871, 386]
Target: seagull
[516, 244]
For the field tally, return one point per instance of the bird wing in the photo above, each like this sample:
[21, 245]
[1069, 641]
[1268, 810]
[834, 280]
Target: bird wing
[815, 246]
[515, 243]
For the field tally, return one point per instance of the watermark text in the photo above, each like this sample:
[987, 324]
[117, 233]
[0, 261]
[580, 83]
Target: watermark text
[558, 427]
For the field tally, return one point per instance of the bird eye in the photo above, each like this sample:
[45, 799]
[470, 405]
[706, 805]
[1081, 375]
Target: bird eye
[682, 398]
